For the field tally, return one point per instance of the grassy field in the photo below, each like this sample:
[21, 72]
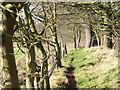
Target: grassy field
[94, 67]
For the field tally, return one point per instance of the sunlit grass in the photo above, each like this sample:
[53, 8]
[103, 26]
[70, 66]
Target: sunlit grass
[95, 67]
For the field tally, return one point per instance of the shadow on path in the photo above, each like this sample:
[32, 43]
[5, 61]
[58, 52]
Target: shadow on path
[70, 76]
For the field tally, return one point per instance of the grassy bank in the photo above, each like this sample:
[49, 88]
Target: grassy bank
[94, 67]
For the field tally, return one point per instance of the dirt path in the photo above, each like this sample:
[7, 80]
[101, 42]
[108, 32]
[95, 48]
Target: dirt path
[71, 78]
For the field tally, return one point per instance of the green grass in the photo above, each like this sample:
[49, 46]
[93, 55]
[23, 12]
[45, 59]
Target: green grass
[83, 62]
[86, 71]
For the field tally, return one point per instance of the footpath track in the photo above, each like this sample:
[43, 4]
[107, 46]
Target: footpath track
[72, 83]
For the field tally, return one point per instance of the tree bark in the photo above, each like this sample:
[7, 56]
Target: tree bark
[118, 48]
[31, 67]
[44, 65]
[108, 39]
[57, 47]
[94, 41]
[105, 17]
[74, 37]
[30, 59]
[55, 38]
[10, 73]
[39, 46]
[77, 37]
[97, 35]
[88, 36]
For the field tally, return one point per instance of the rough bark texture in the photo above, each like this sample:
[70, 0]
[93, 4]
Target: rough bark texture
[55, 39]
[57, 49]
[10, 74]
[44, 65]
[30, 59]
[106, 17]
[31, 67]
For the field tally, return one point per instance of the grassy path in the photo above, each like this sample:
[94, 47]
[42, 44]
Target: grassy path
[72, 83]
[91, 68]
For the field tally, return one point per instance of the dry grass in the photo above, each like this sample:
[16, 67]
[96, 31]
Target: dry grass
[58, 78]
[95, 67]
[107, 57]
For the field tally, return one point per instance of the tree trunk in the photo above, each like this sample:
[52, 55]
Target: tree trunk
[97, 35]
[105, 17]
[55, 39]
[108, 39]
[31, 67]
[44, 66]
[88, 36]
[57, 49]
[30, 59]
[74, 37]
[94, 41]
[66, 52]
[118, 48]
[10, 73]
[40, 47]
[78, 38]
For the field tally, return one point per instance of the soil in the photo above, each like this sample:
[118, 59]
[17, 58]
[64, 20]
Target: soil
[72, 83]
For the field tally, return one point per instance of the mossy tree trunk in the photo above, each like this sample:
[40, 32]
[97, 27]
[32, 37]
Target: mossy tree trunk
[30, 59]
[57, 47]
[106, 27]
[107, 40]
[44, 66]
[55, 37]
[31, 66]
[10, 73]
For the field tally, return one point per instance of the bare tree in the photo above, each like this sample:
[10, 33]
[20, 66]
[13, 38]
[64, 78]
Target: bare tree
[10, 74]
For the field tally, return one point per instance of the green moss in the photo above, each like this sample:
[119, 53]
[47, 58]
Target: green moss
[18, 53]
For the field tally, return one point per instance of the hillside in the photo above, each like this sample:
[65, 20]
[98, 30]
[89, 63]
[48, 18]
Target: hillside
[93, 68]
